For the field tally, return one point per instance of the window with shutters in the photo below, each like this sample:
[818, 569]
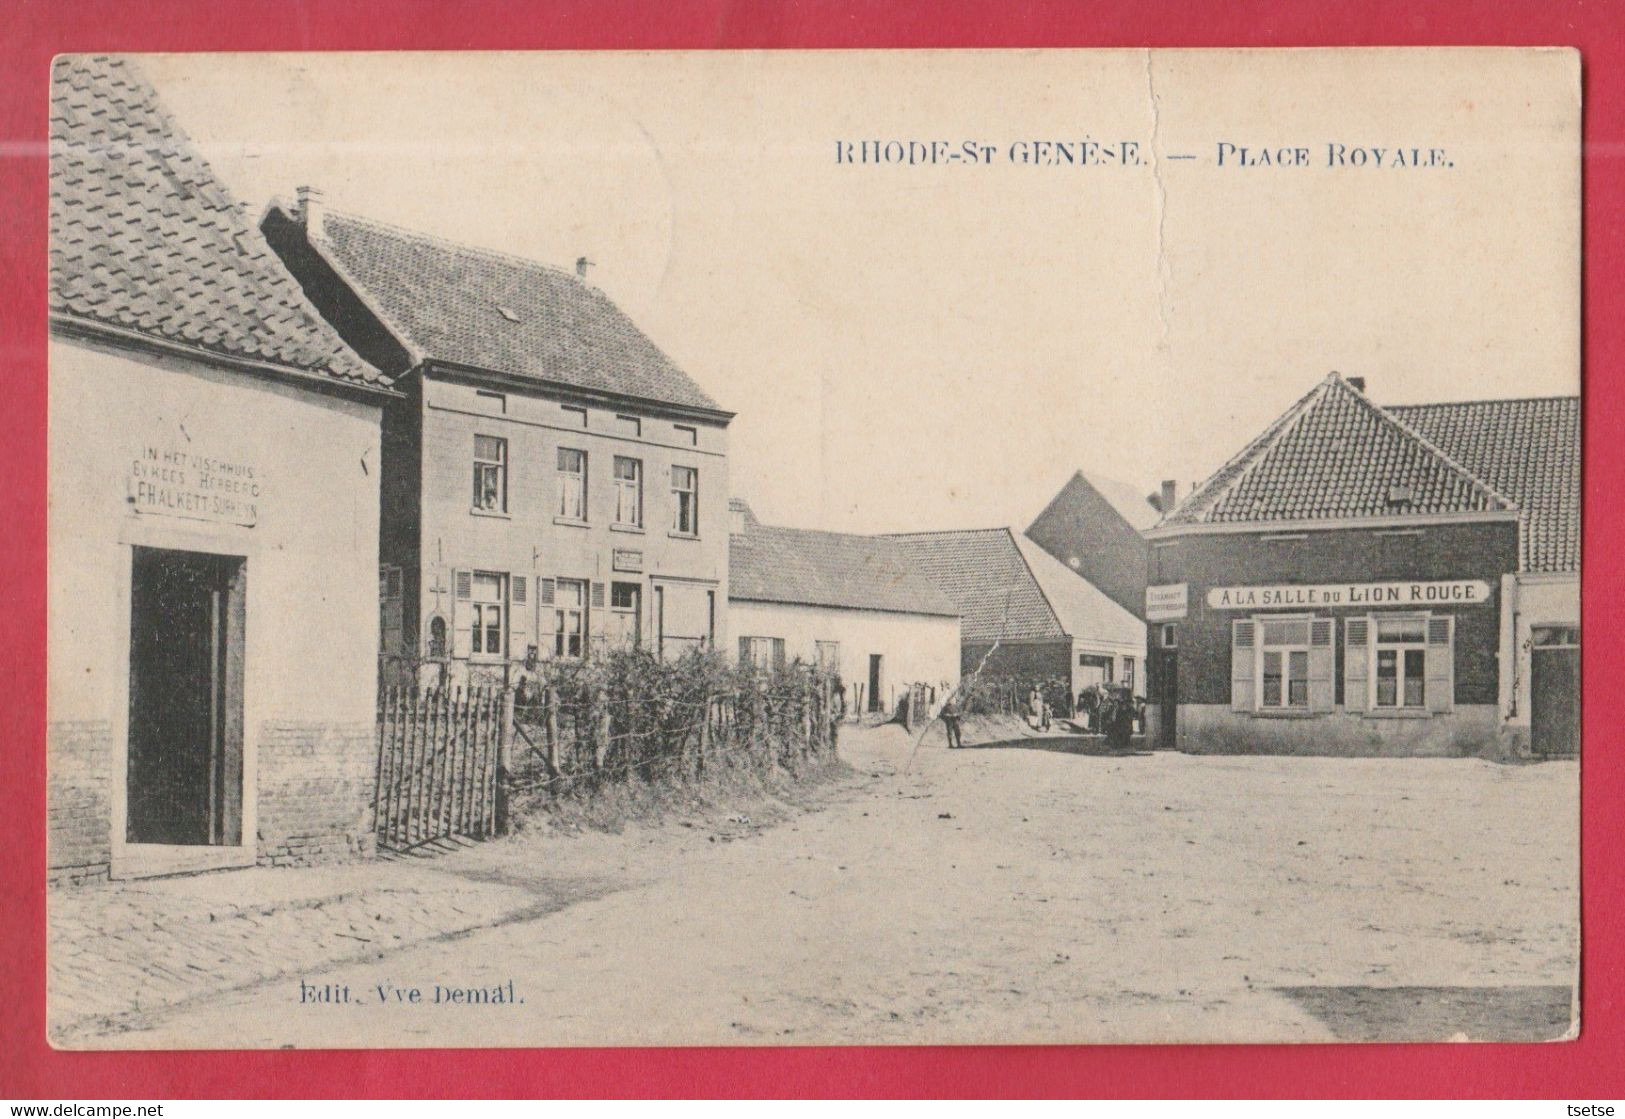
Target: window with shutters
[569, 617]
[628, 492]
[829, 656]
[761, 652]
[685, 500]
[572, 484]
[490, 474]
[1283, 664]
[1399, 668]
[488, 610]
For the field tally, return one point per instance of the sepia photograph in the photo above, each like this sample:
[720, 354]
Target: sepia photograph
[789, 548]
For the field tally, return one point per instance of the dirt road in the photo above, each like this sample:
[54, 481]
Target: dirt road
[1002, 895]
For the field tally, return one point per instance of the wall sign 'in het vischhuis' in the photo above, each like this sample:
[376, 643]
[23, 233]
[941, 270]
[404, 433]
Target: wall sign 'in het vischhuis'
[178, 482]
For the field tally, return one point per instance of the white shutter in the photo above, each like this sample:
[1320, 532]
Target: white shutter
[597, 616]
[1243, 638]
[462, 615]
[1441, 664]
[1356, 663]
[519, 631]
[1322, 666]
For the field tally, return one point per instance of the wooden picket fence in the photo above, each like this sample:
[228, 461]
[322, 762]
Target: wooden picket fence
[439, 755]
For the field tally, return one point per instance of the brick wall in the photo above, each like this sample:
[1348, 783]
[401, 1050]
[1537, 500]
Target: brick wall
[1473, 550]
[315, 792]
[1086, 532]
[78, 845]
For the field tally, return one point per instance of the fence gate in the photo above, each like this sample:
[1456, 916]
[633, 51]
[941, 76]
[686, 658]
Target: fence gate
[438, 751]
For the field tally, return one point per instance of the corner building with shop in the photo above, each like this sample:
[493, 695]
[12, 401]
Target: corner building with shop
[1361, 580]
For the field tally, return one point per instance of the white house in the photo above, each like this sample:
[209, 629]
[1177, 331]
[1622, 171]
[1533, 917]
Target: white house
[850, 603]
[213, 518]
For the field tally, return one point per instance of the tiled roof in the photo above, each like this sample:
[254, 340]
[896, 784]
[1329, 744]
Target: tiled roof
[492, 311]
[145, 238]
[1336, 455]
[986, 574]
[1527, 449]
[767, 563]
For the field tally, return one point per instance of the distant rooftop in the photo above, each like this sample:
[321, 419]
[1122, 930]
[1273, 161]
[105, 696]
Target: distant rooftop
[806, 567]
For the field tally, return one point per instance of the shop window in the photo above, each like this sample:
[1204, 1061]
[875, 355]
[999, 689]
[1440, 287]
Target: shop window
[628, 492]
[1282, 665]
[569, 617]
[1549, 637]
[685, 497]
[572, 484]
[1401, 663]
[490, 474]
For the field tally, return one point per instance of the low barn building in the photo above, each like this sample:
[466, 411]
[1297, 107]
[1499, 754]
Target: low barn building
[1047, 621]
[1362, 580]
[853, 604]
[213, 518]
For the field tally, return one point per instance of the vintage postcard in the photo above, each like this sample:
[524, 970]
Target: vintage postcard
[804, 548]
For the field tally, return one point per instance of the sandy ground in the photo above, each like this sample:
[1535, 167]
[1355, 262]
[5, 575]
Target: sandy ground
[1007, 894]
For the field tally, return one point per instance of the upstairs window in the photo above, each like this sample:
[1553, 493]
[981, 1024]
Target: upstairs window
[628, 492]
[685, 497]
[572, 484]
[490, 474]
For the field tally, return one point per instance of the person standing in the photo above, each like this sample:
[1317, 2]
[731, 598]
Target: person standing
[950, 723]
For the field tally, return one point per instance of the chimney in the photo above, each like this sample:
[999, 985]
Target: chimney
[736, 519]
[1170, 491]
[310, 210]
[582, 264]
[1357, 384]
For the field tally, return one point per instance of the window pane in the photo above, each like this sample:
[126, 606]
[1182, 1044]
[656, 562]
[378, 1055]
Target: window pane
[488, 448]
[1415, 683]
[1387, 678]
[1298, 683]
[626, 468]
[1272, 679]
[1401, 630]
[570, 460]
[1286, 633]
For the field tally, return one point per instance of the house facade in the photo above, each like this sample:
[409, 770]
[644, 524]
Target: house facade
[553, 484]
[213, 518]
[851, 604]
[1027, 616]
[1347, 585]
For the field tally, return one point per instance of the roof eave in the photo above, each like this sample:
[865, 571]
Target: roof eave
[69, 325]
[524, 383]
[1326, 524]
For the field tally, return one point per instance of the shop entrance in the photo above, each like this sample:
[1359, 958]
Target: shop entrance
[1165, 694]
[1554, 692]
[185, 768]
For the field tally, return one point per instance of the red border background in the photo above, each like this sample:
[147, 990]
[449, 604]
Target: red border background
[36, 30]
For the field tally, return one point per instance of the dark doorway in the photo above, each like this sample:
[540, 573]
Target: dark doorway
[185, 774]
[1165, 694]
[876, 703]
[1554, 692]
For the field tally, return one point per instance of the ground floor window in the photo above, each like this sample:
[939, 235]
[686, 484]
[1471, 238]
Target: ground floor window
[761, 652]
[1401, 668]
[569, 617]
[489, 601]
[829, 656]
[1284, 665]
[1128, 673]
